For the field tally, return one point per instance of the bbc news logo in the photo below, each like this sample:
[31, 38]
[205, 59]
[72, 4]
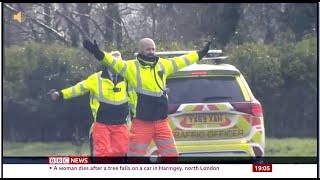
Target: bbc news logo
[68, 160]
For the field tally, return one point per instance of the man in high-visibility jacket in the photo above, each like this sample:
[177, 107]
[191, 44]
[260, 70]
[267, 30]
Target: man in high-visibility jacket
[147, 76]
[109, 134]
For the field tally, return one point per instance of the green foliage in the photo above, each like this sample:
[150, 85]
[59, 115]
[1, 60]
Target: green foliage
[272, 23]
[300, 18]
[300, 65]
[162, 46]
[284, 79]
[30, 72]
[260, 64]
[299, 92]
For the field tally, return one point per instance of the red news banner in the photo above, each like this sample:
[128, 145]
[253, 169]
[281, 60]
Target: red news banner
[261, 167]
[86, 160]
[69, 160]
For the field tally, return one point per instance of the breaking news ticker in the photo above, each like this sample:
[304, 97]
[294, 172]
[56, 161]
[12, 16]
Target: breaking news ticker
[86, 166]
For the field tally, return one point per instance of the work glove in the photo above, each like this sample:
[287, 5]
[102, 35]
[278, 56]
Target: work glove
[55, 95]
[94, 49]
[203, 52]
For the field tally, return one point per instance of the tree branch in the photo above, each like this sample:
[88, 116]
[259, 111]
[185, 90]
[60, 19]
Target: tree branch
[98, 26]
[88, 16]
[126, 31]
[84, 34]
[116, 22]
[49, 29]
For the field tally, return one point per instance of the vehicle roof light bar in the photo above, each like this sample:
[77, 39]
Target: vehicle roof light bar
[216, 60]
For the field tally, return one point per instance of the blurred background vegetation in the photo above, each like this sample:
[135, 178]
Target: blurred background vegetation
[273, 45]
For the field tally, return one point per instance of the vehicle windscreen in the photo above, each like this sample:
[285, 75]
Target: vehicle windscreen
[204, 90]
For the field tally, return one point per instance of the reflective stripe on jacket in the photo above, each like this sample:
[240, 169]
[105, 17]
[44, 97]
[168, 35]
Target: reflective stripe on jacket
[107, 105]
[150, 103]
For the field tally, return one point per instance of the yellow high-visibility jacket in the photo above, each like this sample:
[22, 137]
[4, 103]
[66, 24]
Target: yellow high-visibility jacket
[108, 101]
[150, 103]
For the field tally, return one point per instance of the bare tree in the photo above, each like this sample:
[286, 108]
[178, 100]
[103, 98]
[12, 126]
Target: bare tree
[7, 31]
[118, 26]
[48, 17]
[113, 25]
[68, 23]
[74, 35]
[109, 25]
[33, 25]
[84, 8]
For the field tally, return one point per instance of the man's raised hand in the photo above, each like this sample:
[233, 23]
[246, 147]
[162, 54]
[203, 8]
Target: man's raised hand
[93, 48]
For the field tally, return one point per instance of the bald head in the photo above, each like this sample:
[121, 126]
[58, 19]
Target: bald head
[147, 46]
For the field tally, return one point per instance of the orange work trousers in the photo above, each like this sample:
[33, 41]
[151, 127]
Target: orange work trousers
[143, 132]
[109, 141]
